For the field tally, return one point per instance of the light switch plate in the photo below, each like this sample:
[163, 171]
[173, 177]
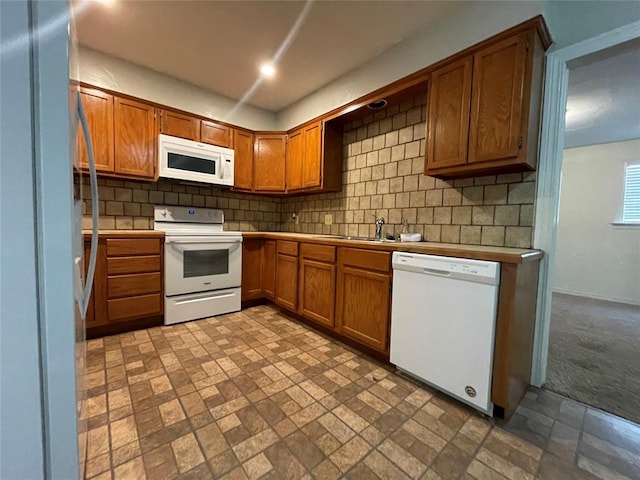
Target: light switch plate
[328, 219]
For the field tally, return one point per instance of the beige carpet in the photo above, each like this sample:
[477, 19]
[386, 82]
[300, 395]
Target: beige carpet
[594, 354]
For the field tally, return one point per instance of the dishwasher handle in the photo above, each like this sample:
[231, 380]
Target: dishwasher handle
[435, 271]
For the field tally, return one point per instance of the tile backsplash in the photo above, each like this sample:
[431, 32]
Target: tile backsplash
[382, 175]
[128, 205]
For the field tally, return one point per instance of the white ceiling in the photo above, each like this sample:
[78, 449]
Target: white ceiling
[219, 45]
[603, 100]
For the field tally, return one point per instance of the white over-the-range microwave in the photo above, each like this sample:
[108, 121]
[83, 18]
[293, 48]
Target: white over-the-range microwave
[194, 161]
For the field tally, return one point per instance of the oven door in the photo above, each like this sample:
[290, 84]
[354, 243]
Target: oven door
[202, 263]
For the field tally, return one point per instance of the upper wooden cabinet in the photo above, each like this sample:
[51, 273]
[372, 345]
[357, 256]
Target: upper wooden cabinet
[135, 138]
[484, 109]
[269, 163]
[314, 158]
[179, 125]
[243, 160]
[216, 134]
[448, 125]
[98, 107]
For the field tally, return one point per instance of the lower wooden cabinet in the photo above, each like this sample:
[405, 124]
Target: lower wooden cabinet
[128, 282]
[287, 275]
[317, 284]
[363, 297]
[269, 269]
[252, 269]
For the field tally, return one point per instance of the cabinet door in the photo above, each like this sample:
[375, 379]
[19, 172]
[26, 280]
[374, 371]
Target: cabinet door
[179, 125]
[448, 119]
[287, 281]
[363, 306]
[269, 269]
[295, 159]
[312, 163]
[269, 163]
[243, 160]
[318, 291]
[251, 269]
[216, 134]
[134, 138]
[496, 106]
[99, 109]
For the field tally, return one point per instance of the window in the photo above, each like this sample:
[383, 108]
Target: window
[631, 205]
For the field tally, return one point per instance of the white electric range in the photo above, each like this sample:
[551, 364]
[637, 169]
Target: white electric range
[203, 263]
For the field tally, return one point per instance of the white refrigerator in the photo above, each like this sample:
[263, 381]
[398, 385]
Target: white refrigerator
[43, 287]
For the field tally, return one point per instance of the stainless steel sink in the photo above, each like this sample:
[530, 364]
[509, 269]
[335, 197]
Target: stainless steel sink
[361, 239]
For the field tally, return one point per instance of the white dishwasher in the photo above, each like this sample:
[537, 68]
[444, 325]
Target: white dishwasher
[443, 319]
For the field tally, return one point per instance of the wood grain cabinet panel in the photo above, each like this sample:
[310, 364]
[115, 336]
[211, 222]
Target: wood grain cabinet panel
[312, 163]
[98, 107]
[133, 246]
[269, 163]
[287, 281]
[179, 125]
[130, 308]
[318, 291]
[496, 110]
[251, 269]
[243, 160]
[141, 264]
[216, 134]
[295, 160]
[132, 285]
[269, 269]
[448, 125]
[135, 138]
[363, 306]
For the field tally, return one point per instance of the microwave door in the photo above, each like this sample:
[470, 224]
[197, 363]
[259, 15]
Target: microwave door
[194, 265]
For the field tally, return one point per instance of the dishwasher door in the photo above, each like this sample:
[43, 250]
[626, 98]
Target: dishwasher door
[443, 320]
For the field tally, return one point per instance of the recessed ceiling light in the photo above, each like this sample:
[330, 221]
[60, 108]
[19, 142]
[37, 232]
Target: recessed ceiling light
[267, 70]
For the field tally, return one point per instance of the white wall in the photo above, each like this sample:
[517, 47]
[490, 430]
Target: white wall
[594, 258]
[473, 22]
[106, 71]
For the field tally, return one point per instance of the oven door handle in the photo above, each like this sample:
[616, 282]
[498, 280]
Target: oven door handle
[209, 240]
[176, 245]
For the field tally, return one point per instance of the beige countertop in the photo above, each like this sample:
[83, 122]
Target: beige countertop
[477, 252]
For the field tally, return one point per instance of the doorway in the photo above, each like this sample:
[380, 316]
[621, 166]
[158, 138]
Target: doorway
[589, 305]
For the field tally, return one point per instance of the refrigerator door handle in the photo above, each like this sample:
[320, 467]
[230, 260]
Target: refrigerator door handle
[93, 175]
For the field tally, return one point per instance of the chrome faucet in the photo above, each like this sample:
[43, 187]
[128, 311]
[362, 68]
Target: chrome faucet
[379, 223]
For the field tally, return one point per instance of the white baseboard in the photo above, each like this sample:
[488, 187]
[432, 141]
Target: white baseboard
[597, 297]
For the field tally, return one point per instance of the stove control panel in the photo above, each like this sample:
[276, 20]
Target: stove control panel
[167, 213]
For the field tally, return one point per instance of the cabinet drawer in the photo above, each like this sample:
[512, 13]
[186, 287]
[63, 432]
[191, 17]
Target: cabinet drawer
[133, 246]
[287, 247]
[326, 253]
[141, 264]
[130, 285]
[135, 307]
[365, 259]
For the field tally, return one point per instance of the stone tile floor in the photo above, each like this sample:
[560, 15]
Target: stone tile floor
[256, 395]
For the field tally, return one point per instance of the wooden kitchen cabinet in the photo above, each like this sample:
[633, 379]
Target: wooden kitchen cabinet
[363, 296]
[251, 269]
[269, 269]
[98, 107]
[179, 125]
[317, 283]
[128, 284]
[314, 158]
[287, 274]
[216, 134]
[134, 138]
[448, 125]
[269, 163]
[484, 109]
[243, 160]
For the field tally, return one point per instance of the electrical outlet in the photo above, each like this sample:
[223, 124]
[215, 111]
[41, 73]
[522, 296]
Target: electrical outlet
[328, 219]
[296, 218]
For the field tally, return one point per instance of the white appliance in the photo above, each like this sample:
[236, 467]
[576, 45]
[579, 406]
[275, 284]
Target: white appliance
[203, 263]
[194, 161]
[443, 319]
[41, 326]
